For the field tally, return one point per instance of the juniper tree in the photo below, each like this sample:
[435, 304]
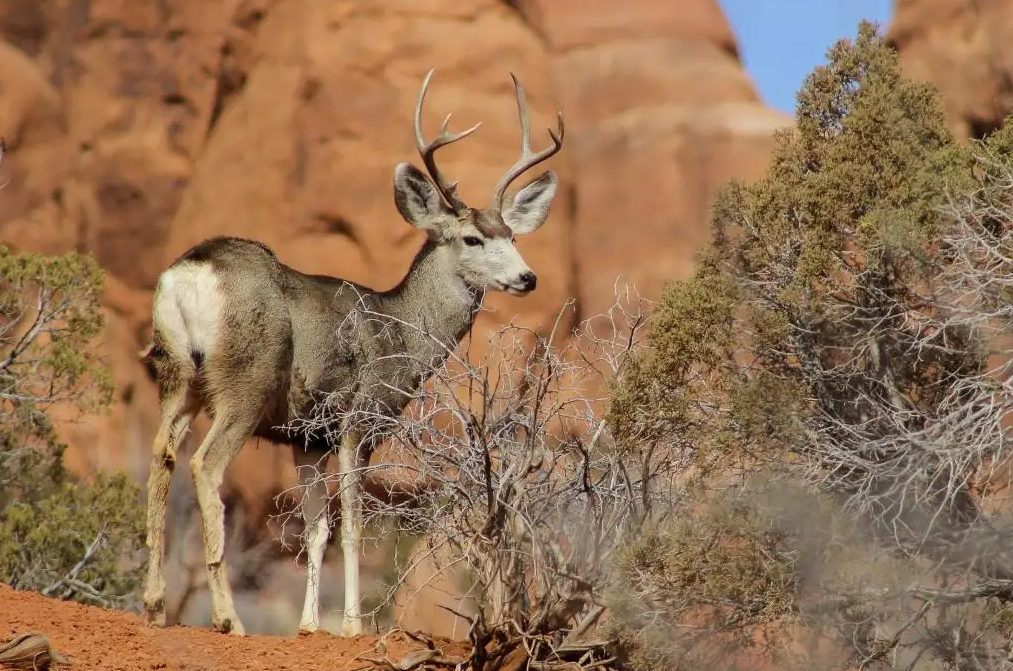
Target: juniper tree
[843, 332]
[66, 539]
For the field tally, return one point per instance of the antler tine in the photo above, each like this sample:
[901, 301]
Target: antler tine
[527, 159]
[426, 150]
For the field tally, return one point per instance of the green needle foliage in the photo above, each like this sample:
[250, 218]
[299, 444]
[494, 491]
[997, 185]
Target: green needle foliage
[841, 333]
[69, 540]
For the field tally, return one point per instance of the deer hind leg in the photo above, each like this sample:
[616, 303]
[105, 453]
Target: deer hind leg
[229, 431]
[314, 511]
[350, 465]
[179, 406]
[241, 379]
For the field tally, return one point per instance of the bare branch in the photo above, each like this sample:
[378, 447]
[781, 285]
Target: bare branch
[516, 483]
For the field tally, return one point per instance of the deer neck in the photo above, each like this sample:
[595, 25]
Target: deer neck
[433, 304]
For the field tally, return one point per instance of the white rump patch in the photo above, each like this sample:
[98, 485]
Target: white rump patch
[188, 308]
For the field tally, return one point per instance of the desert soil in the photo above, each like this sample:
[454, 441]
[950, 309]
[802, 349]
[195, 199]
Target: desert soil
[96, 638]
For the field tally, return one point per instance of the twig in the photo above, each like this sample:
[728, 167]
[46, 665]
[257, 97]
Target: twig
[589, 620]
[71, 575]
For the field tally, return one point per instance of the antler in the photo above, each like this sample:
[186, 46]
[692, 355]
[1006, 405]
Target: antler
[447, 189]
[527, 159]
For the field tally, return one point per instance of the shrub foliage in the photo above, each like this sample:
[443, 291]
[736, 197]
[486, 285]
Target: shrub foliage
[69, 540]
[843, 337]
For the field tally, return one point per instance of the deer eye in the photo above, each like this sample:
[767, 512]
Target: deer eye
[472, 241]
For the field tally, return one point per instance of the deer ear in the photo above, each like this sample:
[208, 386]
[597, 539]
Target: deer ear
[527, 209]
[416, 197]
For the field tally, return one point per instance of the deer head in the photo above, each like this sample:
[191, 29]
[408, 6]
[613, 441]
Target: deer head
[481, 241]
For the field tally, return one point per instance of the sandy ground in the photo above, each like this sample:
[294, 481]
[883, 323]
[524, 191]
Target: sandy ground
[95, 638]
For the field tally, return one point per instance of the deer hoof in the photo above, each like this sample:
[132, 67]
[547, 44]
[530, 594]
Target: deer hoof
[154, 613]
[229, 625]
[351, 627]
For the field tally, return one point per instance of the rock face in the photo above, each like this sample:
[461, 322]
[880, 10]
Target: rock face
[964, 48]
[137, 129]
[660, 112]
[302, 156]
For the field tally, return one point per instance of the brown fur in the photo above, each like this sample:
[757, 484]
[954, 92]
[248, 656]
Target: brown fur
[490, 224]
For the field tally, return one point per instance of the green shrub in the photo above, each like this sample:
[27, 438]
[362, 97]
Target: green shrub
[840, 330]
[69, 540]
[722, 576]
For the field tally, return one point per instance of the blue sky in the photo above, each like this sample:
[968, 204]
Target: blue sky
[781, 41]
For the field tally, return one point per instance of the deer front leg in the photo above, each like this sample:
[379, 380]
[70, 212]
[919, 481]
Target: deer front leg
[351, 530]
[314, 511]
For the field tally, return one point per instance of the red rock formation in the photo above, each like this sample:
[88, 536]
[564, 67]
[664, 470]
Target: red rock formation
[137, 129]
[965, 49]
[660, 112]
[303, 155]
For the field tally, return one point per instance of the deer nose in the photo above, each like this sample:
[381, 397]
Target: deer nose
[529, 280]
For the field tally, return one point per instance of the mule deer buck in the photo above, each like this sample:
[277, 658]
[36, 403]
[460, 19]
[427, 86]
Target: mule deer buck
[253, 342]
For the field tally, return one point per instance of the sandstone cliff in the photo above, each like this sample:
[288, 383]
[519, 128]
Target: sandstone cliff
[965, 48]
[137, 129]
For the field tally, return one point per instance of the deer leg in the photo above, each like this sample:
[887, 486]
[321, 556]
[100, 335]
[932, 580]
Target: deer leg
[314, 511]
[351, 529]
[222, 443]
[179, 407]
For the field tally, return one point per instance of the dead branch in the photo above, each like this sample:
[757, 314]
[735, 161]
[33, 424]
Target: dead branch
[30, 651]
[505, 466]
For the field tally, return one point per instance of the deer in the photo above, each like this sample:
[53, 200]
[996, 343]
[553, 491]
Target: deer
[252, 342]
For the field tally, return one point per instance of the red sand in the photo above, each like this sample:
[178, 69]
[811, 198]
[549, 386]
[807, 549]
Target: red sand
[95, 638]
